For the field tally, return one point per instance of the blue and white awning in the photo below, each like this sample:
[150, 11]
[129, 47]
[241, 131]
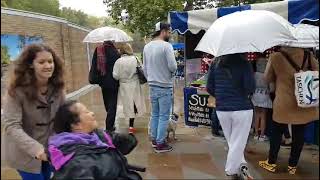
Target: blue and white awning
[294, 11]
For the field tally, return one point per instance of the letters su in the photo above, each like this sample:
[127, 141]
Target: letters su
[197, 100]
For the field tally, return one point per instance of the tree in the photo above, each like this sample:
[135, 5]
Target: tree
[77, 17]
[258, 1]
[4, 3]
[199, 4]
[50, 7]
[94, 22]
[205, 4]
[226, 3]
[5, 57]
[142, 15]
[81, 18]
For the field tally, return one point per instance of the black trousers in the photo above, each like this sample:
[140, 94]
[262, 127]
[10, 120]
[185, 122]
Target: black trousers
[110, 98]
[297, 142]
[215, 124]
[131, 120]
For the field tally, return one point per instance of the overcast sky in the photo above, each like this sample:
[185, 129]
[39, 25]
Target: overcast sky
[91, 7]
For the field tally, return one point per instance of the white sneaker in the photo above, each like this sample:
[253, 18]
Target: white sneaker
[244, 172]
[255, 137]
[263, 138]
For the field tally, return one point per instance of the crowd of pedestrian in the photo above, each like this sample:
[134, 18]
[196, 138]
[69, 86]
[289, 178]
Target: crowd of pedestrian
[40, 126]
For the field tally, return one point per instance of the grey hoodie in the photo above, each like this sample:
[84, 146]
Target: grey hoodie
[159, 63]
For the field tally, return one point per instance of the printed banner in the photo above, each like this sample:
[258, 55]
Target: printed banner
[196, 110]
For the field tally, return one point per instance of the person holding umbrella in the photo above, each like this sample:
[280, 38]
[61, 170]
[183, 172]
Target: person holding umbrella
[286, 110]
[231, 82]
[103, 60]
[130, 90]
[270, 29]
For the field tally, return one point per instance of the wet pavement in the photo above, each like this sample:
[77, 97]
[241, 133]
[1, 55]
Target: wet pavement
[196, 154]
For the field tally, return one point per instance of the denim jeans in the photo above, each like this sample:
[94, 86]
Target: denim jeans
[161, 102]
[45, 173]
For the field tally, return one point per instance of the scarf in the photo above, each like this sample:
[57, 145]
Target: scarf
[58, 159]
[101, 59]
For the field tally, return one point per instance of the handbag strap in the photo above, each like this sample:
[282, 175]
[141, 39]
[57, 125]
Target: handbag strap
[309, 59]
[138, 62]
[306, 57]
[293, 64]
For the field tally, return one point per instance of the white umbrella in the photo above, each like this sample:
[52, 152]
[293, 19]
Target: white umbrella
[307, 36]
[246, 31]
[107, 34]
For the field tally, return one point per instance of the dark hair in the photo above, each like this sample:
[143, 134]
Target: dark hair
[163, 27]
[261, 55]
[24, 76]
[65, 117]
[156, 34]
[227, 61]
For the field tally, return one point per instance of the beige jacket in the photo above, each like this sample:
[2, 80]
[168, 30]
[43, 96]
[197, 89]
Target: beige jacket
[27, 127]
[285, 108]
[130, 90]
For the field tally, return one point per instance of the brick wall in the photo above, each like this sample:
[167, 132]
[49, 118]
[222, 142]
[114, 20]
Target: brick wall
[63, 37]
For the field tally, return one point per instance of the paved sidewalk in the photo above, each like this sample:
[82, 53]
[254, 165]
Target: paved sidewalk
[196, 154]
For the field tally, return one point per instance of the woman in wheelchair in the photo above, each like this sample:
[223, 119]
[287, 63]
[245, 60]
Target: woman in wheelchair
[79, 150]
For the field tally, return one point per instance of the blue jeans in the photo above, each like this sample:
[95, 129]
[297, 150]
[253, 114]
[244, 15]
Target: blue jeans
[161, 102]
[45, 173]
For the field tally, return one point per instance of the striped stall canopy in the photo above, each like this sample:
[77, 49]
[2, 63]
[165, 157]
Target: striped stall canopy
[295, 11]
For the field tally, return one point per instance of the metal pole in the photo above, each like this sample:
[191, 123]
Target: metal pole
[185, 59]
[88, 55]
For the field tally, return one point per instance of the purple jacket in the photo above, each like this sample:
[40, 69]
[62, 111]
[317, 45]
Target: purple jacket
[58, 159]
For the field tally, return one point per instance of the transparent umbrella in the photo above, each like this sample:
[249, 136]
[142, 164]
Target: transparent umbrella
[107, 34]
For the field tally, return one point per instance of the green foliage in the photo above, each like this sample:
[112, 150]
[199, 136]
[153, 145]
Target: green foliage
[4, 3]
[137, 43]
[50, 7]
[81, 18]
[199, 4]
[77, 17]
[5, 57]
[225, 3]
[142, 14]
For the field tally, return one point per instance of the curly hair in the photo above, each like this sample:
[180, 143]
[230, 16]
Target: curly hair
[24, 76]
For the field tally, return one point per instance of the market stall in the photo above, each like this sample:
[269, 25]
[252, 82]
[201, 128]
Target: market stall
[193, 25]
[179, 55]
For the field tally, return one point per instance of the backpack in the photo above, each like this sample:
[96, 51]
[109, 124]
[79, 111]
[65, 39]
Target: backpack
[306, 82]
